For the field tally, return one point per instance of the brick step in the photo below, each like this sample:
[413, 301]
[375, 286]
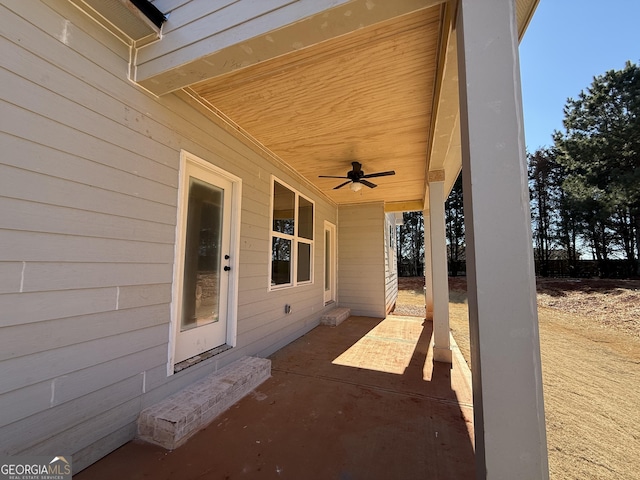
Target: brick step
[335, 317]
[172, 421]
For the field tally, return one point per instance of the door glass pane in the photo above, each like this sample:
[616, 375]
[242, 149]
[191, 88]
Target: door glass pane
[327, 260]
[202, 255]
[304, 262]
[284, 201]
[305, 218]
[280, 261]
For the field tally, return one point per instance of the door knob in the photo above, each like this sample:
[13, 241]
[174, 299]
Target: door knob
[227, 268]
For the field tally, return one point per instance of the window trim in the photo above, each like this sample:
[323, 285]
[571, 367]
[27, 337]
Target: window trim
[295, 238]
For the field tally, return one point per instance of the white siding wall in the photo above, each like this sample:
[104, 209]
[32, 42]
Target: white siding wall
[88, 193]
[391, 262]
[361, 259]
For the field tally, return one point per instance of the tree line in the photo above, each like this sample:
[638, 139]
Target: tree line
[410, 237]
[585, 188]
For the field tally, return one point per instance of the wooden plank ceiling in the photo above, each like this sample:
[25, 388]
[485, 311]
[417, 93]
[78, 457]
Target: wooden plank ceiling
[366, 96]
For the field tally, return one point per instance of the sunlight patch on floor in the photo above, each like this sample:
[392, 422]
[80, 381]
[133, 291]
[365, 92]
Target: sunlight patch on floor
[388, 348]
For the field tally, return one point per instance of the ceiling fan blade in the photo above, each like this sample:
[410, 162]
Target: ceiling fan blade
[368, 184]
[329, 176]
[380, 174]
[342, 185]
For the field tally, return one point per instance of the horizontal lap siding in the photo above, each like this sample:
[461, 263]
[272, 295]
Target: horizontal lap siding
[69, 276]
[88, 195]
[26, 339]
[31, 214]
[47, 399]
[361, 259]
[16, 245]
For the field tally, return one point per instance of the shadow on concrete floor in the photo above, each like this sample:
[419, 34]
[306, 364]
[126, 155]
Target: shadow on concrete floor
[363, 400]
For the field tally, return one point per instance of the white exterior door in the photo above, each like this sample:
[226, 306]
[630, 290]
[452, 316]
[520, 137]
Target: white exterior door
[329, 262]
[204, 254]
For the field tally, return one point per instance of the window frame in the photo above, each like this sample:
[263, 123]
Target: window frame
[295, 239]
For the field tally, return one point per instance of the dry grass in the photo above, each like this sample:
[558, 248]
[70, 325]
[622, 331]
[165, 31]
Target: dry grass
[590, 347]
[609, 304]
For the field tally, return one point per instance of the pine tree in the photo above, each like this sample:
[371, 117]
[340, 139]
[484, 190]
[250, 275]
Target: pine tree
[544, 191]
[600, 150]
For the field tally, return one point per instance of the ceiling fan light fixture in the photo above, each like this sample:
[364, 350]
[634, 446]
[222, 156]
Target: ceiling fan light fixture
[356, 178]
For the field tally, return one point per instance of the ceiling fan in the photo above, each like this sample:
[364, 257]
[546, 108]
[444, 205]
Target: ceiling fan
[357, 177]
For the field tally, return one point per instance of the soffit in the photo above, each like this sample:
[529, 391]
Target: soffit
[366, 96]
[385, 95]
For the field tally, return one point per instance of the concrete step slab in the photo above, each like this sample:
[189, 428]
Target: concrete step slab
[335, 316]
[171, 422]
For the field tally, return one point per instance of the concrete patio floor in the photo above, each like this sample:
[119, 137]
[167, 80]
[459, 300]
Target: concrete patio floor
[362, 400]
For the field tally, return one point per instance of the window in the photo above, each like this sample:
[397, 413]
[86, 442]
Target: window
[203, 243]
[291, 237]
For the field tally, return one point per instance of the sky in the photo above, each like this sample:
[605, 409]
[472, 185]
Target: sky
[567, 43]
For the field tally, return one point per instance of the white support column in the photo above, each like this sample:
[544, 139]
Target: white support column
[442, 347]
[505, 347]
[428, 273]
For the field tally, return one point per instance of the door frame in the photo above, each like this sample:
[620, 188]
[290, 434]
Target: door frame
[234, 251]
[332, 251]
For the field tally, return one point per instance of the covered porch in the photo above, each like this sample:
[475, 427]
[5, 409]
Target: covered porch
[361, 400]
[426, 89]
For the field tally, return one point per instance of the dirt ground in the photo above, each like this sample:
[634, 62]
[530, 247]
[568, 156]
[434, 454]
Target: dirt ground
[590, 346]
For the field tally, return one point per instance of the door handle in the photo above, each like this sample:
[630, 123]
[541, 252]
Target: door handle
[227, 268]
